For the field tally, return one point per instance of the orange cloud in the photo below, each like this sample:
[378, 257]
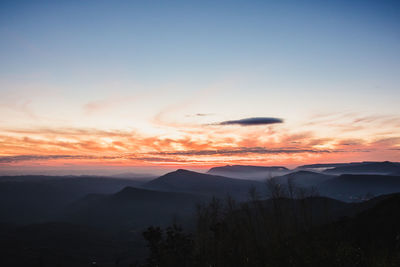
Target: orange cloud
[206, 146]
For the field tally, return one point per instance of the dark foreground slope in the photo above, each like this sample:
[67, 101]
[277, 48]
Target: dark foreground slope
[278, 232]
[256, 235]
[58, 244]
[98, 227]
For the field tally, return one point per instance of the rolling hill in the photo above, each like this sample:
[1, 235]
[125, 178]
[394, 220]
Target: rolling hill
[203, 184]
[34, 199]
[385, 167]
[133, 208]
[303, 178]
[350, 187]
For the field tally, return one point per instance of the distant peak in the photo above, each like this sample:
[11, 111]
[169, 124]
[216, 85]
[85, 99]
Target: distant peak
[304, 172]
[182, 171]
[128, 190]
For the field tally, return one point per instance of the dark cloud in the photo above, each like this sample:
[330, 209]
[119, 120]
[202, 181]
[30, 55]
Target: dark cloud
[253, 121]
[172, 156]
[204, 114]
[159, 159]
[19, 158]
[200, 115]
[244, 150]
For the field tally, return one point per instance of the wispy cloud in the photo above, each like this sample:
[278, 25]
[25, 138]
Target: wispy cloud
[101, 105]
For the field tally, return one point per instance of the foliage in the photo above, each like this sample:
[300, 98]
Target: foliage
[171, 247]
[281, 231]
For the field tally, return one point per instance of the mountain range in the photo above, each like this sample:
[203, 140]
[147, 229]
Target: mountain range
[106, 215]
[365, 167]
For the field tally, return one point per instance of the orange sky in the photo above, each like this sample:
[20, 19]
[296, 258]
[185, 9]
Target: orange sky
[204, 145]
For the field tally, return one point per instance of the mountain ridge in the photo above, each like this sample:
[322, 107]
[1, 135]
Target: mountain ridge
[206, 184]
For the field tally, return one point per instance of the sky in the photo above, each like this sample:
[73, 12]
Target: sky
[193, 84]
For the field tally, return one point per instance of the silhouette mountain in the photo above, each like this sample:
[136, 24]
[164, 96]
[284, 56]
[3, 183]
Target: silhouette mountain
[324, 165]
[350, 187]
[133, 208]
[303, 178]
[204, 184]
[385, 167]
[29, 199]
[396, 173]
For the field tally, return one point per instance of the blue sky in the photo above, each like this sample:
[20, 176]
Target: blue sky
[174, 39]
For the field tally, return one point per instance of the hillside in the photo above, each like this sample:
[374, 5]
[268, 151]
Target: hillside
[133, 208]
[30, 199]
[385, 167]
[203, 184]
[303, 178]
[350, 187]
